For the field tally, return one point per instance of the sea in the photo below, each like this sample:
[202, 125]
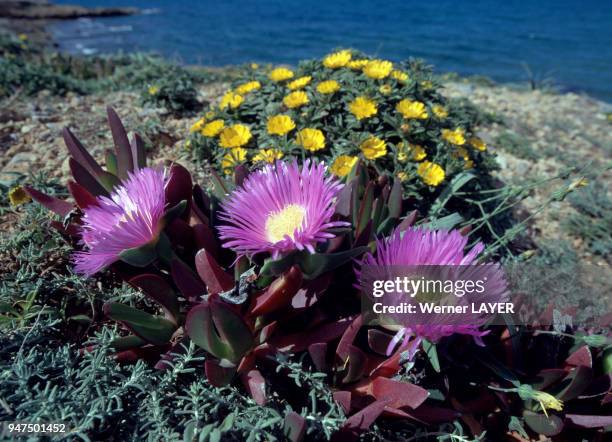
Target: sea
[562, 43]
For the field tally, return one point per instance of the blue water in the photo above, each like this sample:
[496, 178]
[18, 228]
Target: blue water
[569, 41]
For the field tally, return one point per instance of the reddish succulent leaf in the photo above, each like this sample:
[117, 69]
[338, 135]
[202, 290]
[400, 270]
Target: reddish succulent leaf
[318, 354]
[215, 278]
[582, 356]
[55, 205]
[179, 185]
[389, 367]
[156, 288]
[202, 203]
[362, 420]
[576, 382]
[180, 233]
[80, 154]
[395, 199]
[434, 415]
[200, 328]
[267, 331]
[187, 282]
[294, 427]
[364, 215]
[85, 179]
[231, 327]
[139, 158]
[82, 196]
[255, 384]
[599, 387]
[400, 394]
[300, 341]
[122, 144]
[217, 374]
[548, 377]
[205, 239]
[343, 202]
[348, 337]
[548, 426]
[279, 293]
[240, 174]
[379, 341]
[408, 221]
[343, 398]
[355, 362]
[589, 421]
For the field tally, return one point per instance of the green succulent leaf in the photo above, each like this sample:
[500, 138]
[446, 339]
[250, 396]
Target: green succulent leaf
[153, 329]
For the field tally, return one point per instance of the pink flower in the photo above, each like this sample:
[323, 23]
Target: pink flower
[420, 247]
[130, 218]
[279, 209]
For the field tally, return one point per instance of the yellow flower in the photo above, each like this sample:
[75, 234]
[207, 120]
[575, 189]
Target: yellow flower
[213, 128]
[358, 64]
[245, 88]
[231, 99]
[363, 107]
[412, 109]
[18, 196]
[400, 76]
[281, 74]
[328, 87]
[197, 126]
[385, 89]
[418, 153]
[478, 144]
[232, 159]
[153, 90]
[267, 156]
[456, 136]
[254, 66]
[431, 173]
[280, 125]
[299, 83]
[373, 148]
[343, 165]
[402, 157]
[403, 176]
[337, 59]
[311, 139]
[439, 111]
[235, 136]
[378, 69]
[210, 115]
[295, 99]
[547, 400]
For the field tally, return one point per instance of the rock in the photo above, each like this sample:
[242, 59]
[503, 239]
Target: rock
[42, 10]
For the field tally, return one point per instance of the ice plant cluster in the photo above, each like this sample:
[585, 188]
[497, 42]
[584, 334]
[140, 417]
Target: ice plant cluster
[281, 208]
[131, 217]
[258, 270]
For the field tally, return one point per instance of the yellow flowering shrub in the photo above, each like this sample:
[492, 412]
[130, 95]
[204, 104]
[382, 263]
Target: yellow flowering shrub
[346, 108]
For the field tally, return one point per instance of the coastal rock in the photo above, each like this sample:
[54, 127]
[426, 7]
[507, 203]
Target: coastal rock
[43, 10]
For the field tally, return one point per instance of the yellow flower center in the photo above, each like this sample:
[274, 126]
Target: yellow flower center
[284, 222]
